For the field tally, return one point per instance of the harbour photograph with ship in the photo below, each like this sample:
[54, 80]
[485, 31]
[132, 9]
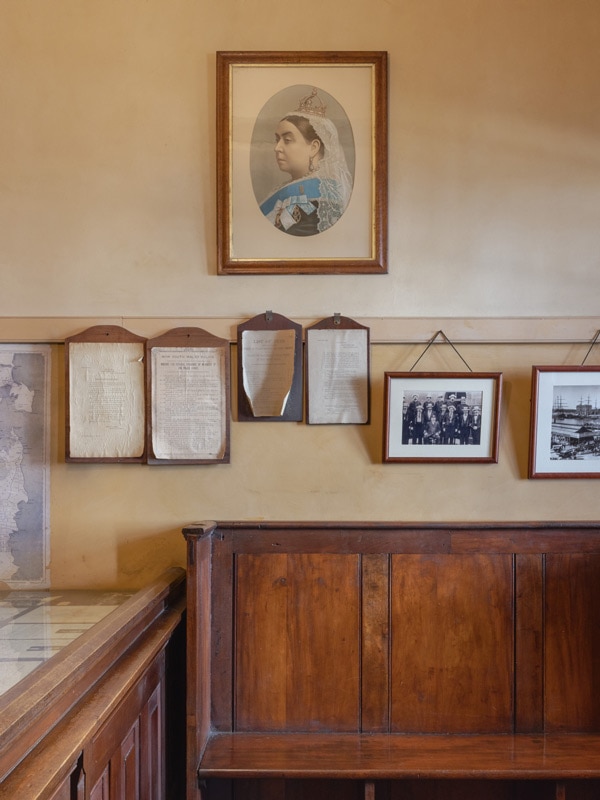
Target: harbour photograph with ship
[575, 431]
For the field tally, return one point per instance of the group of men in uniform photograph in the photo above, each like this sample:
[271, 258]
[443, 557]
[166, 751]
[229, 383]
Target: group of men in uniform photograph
[452, 418]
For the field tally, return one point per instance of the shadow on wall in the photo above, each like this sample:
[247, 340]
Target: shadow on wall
[142, 558]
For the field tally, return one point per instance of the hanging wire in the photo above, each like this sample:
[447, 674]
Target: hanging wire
[594, 340]
[441, 333]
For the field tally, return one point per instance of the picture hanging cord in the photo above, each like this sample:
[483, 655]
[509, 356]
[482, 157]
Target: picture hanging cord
[594, 340]
[441, 333]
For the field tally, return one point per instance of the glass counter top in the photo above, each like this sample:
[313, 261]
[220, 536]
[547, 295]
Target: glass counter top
[34, 625]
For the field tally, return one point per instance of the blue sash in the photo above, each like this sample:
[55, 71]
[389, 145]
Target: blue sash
[309, 188]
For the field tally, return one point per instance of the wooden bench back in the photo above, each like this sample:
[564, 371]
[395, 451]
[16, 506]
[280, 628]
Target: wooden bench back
[380, 627]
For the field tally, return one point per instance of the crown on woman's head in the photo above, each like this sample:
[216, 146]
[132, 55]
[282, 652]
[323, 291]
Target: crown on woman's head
[312, 104]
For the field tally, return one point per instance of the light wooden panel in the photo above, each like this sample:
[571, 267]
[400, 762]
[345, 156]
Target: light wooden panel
[572, 642]
[276, 648]
[452, 643]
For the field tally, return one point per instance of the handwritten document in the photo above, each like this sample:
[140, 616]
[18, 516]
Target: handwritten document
[338, 376]
[106, 400]
[268, 370]
[188, 403]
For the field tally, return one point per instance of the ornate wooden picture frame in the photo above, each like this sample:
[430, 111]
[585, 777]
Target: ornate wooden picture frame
[301, 162]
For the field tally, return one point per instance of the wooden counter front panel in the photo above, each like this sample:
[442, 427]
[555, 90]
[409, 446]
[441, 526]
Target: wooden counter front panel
[128, 750]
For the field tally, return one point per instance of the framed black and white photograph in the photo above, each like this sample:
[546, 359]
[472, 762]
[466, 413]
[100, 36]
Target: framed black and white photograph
[441, 416]
[301, 162]
[565, 422]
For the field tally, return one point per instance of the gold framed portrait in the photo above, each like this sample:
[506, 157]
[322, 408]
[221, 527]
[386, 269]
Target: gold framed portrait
[301, 162]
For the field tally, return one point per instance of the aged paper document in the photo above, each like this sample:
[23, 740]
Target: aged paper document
[338, 375]
[188, 403]
[106, 399]
[268, 370]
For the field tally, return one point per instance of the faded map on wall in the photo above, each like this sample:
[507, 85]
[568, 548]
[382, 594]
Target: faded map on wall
[24, 465]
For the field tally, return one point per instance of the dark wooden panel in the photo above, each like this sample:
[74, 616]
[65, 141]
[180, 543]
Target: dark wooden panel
[295, 790]
[297, 538]
[117, 727]
[101, 789]
[218, 648]
[261, 649]
[124, 767]
[452, 643]
[529, 675]
[375, 658]
[297, 671]
[454, 790]
[572, 642]
[474, 790]
[216, 790]
[152, 744]
[581, 790]
[407, 537]
[273, 789]
[70, 789]
[535, 790]
[550, 538]
[323, 790]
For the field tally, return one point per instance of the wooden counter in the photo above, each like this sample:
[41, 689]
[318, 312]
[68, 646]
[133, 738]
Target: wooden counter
[92, 722]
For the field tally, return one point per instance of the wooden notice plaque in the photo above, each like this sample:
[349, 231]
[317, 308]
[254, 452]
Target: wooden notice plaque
[269, 369]
[187, 395]
[337, 372]
[105, 405]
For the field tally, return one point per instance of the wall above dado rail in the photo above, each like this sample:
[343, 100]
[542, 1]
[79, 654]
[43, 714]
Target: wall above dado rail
[109, 176]
[382, 330]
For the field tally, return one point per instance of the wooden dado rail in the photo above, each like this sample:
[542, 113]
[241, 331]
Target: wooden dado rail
[345, 660]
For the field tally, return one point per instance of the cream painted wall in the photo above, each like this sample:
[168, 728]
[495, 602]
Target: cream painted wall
[120, 524]
[108, 171]
[107, 202]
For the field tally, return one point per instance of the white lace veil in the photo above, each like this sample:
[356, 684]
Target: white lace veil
[332, 170]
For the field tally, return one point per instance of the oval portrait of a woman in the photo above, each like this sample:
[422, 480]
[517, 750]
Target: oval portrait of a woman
[302, 160]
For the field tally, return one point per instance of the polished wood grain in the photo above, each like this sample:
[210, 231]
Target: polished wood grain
[42, 698]
[529, 654]
[375, 643]
[394, 660]
[572, 642]
[378, 756]
[276, 647]
[452, 657]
